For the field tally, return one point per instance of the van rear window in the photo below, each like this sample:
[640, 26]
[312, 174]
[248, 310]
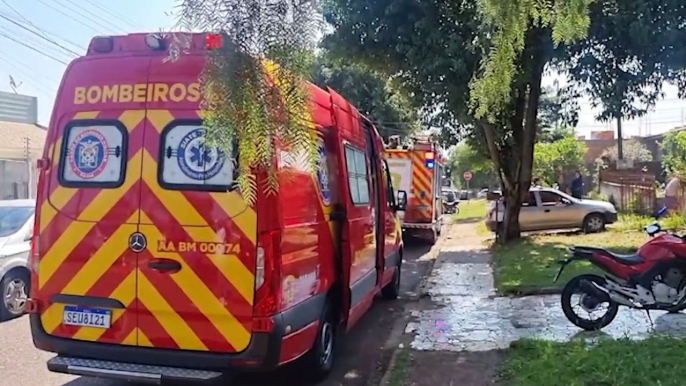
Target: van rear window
[188, 163]
[93, 154]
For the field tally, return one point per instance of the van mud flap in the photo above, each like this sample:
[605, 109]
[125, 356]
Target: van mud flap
[129, 372]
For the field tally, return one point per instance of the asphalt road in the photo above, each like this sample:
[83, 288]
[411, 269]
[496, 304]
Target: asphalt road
[363, 356]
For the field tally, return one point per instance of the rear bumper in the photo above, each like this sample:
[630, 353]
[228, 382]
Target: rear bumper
[263, 353]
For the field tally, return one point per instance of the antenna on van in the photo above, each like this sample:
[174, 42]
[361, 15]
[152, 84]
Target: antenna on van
[14, 85]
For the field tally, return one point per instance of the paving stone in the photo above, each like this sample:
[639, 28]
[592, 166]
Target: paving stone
[468, 317]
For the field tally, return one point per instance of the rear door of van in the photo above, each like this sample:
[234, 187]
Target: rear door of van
[196, 277]
[88, 204]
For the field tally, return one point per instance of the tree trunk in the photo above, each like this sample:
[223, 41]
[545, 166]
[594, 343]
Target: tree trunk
[513, 204]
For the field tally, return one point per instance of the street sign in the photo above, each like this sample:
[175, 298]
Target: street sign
[467, 175]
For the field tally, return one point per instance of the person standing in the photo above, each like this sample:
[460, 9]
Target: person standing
[577, 185]
[672, 194]
[562, 185]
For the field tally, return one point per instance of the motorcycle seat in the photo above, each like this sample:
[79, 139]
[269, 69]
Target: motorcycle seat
[631, 259]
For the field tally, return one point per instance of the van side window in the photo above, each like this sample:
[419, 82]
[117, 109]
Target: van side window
[357, 175]
[188, 163]
[390, 189]
[93, 154]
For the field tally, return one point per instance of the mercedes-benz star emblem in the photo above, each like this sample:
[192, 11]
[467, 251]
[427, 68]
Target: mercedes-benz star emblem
[137, 242]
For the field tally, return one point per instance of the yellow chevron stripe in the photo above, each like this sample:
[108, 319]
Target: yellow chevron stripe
[208, 304]
[52, 317]
[86, 115]
[132, 338]
[196, 226]
[132, 118]
[172, 323]
[77, 230]
[159, 119]
[96, 266]
[142, 339]
[240, 213]
[125, 293]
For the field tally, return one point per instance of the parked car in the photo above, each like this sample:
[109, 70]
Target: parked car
[464, 195]
[16, 230]
[547, 208]
[482, 193]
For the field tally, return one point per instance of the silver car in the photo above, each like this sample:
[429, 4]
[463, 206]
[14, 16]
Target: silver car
[547, 209]
[16, 231]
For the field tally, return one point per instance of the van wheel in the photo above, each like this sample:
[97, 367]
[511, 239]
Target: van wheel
[14, 292]
[594, 223]
[319, 360]
[392, 290]
[432, 237]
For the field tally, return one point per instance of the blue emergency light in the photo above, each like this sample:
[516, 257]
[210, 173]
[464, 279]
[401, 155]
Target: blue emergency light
[429, 159]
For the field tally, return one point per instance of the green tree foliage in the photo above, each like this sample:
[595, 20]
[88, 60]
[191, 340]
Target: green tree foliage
[633, 46]
[390, 110]
[558, 112]
[633, 150]
[254, 89]
[674, 153]
[466, 158]
[477, 64]
[563, 156]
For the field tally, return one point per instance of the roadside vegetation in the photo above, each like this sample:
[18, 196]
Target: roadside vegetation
[608, 362]
[471, 211]
[529, 265]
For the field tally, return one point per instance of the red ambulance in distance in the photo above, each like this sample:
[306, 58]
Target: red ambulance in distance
[147, 264]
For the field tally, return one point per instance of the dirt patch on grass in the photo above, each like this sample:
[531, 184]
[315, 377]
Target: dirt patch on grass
[431, 368]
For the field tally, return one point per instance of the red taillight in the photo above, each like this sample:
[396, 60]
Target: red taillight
[267, 277]
[213, 41]
[34, 259]
[102, 45]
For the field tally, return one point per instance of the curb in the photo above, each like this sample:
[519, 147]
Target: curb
[419, 292]
[523, 292]
[386, 379]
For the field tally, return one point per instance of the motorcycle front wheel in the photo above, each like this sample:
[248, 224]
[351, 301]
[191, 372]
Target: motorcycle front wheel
[590, 310]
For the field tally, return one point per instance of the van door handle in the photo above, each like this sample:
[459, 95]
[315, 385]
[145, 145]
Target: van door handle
[164, 265]
[547, 210]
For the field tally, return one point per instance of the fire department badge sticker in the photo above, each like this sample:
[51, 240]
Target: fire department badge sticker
[323, 175]
[196, 159]
[88, 154]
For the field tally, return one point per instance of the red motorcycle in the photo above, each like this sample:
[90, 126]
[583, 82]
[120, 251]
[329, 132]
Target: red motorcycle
[653, 278]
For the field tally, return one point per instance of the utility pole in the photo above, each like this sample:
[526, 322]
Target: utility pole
[29, 185]
[620, 150]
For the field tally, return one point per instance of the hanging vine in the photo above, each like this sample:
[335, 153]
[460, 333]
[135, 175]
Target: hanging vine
[254, 89]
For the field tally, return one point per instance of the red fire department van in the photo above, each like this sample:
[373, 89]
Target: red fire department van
[418, 168]
[147, 265]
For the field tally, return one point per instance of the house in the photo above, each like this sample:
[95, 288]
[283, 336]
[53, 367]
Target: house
[21, 144]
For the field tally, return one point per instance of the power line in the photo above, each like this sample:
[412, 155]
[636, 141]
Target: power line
[43, 32]
[112, 13]
[39, 35]
[36, 43]
[30, 79]
[69, 16]
[32, 48]
[76, 11]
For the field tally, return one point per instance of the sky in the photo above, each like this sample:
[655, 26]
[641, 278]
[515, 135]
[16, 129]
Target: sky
[72, 23]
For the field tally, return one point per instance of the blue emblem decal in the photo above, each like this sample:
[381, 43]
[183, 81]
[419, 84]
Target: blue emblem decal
[88, 154]
[197, 160]
[323, 175]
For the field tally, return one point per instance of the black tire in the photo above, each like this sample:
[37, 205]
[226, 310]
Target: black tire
[13, 276]
[317, 362]
[431, 237]
[392, 290]
[573, 287]
[594, 222]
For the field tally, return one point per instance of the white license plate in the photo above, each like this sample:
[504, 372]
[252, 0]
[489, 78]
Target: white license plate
[87, 317]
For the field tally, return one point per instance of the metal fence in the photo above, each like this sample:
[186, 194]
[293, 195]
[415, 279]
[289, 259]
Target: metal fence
[632, 192]
[18, 179]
